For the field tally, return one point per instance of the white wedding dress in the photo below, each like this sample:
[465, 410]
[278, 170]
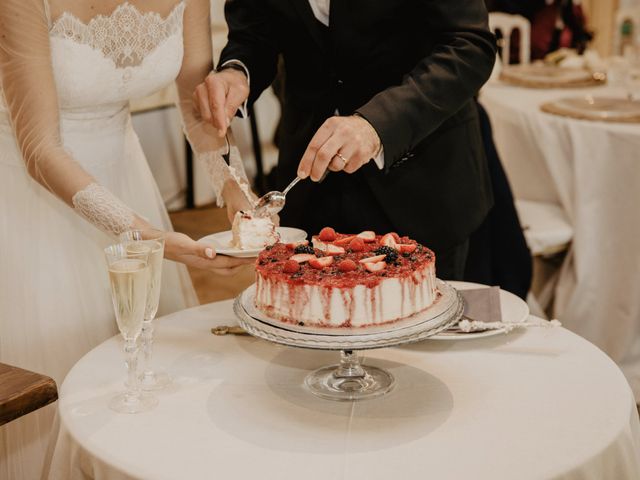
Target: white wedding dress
[54, 297]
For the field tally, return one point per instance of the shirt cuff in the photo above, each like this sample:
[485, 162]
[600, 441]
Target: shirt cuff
[243, 108]
[379, 159]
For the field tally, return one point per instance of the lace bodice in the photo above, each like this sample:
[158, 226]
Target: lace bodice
[115, 57]
[126, 36]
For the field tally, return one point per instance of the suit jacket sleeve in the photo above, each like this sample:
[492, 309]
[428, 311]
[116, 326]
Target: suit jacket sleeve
[441, 83]
[252, 41]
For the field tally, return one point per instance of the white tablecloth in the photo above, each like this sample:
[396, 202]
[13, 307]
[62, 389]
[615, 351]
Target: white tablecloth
[532, 405]
[591, 169]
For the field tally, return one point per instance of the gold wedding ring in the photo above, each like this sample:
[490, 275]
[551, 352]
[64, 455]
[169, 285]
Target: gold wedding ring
[344, 160]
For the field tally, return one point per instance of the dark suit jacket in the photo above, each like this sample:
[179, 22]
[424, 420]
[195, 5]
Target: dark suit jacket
[411, 68]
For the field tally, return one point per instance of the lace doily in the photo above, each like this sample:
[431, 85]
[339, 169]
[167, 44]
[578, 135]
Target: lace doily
[103, 209]
[126, 36]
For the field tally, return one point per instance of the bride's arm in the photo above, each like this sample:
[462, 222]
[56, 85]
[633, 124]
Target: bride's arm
[30, 94]
[229, 181]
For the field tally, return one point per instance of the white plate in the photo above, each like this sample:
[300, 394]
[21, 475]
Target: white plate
[513, 308]
[221, 241]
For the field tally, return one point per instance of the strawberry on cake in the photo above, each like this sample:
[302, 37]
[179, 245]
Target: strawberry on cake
[345, 280]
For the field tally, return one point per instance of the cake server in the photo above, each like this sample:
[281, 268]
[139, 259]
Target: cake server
[272, 202]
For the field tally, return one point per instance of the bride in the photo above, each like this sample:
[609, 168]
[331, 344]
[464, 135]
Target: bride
[73, 177]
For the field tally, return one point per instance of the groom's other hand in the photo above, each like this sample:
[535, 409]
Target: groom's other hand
[218, 98]
[340, 144]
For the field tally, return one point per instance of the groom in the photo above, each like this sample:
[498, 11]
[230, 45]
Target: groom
[378, 91]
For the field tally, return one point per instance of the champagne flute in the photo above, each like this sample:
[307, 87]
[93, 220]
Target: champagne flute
[154, 241]
[129, 279]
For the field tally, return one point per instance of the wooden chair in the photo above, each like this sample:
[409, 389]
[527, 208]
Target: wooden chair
[22, 392]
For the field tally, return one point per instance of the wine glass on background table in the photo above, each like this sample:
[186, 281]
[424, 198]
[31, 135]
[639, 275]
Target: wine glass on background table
[150, 379]
[129, 279]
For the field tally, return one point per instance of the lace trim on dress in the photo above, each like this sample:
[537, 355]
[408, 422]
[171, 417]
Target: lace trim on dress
[219, 172]
[103, 209]
[126, 36]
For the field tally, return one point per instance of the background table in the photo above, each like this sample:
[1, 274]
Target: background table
[592, 170]
[538, 404]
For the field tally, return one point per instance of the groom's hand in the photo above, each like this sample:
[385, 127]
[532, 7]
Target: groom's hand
[340, 144]
[218, 98]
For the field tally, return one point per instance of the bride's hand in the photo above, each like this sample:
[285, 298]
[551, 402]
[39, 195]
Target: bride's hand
[180, 248]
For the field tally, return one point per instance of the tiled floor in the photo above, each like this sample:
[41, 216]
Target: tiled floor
[200, 222]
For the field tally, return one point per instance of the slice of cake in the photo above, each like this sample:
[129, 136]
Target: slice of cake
[345, 280]
[251, 232]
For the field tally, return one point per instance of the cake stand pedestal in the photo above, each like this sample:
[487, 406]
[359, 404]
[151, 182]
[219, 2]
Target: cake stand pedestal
[350, 379]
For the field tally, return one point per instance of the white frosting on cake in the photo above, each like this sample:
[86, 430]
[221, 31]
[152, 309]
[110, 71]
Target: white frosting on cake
[251, 232]
[391, 299]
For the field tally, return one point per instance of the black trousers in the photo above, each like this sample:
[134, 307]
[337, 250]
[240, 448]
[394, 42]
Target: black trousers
[498, 252]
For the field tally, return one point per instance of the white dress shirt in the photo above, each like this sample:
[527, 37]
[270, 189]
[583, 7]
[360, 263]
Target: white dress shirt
[321, 10]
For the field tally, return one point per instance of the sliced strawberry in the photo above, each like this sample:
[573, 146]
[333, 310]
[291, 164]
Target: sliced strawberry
[347, 266]
[333, 249]
[302, 257]
[377, 258]
[344, 241]
[321, 262]
[292, 246]
[395, 236]
[389, 241]
[317, 243]
[356, 245]
[375, 267]
[327, 234]
[407, 247]
[367, 236]
[291, 266]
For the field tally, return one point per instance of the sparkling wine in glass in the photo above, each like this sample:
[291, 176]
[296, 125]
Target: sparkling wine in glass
[129, 280]
[136, 240]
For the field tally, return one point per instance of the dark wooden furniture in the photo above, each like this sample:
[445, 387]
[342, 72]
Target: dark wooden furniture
[22, 392]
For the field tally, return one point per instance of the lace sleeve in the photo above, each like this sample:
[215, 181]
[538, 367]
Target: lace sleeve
[203, 137]
[30, 94]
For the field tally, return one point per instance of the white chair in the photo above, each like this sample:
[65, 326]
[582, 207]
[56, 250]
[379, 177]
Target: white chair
[623, 15]
[548, 234]
[546, 227]
[506, 24]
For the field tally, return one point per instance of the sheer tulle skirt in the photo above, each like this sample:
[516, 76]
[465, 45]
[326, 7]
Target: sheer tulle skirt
[54, 296]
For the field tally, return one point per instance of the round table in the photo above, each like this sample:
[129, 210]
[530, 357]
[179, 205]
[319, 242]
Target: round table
[542, 403]
[592, 170]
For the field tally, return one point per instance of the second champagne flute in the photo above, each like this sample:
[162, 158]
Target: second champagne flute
[150, 379]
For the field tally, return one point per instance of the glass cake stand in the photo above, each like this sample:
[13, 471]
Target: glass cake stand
[350, 379]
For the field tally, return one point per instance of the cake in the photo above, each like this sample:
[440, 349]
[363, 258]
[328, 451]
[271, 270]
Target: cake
[345, 280]
[249, 232]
